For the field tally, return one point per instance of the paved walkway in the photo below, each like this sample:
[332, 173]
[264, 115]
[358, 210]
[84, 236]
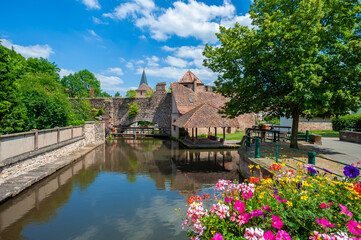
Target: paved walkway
[333, 148]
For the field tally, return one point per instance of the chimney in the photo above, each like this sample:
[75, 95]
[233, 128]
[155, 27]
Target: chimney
[160, 87]
[194, 85]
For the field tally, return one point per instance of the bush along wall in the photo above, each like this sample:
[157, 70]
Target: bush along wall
[347, 122]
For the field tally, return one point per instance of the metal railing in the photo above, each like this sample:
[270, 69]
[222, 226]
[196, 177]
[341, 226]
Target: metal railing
[311, 156]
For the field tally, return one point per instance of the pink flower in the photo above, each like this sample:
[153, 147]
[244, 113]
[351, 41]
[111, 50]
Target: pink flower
[256, 213]
[324, 205]
[266, 208]
[280, 199]
[276, 222]
[283, 235]
[254, 233]
[247, 195]
[354, 227]
[269, 236]
[217, 236]
[239, 206]
[316, 236]
[243, 219]
[227, 200]
[325, 224]
[344, 210]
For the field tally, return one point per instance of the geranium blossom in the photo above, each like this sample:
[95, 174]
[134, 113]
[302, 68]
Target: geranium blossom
[217, 236]
[276, 222]
[325, 224]
[254, 233]
[283, 235]
[345, 211]
[354, 227]
[243, 219]
[239, 206]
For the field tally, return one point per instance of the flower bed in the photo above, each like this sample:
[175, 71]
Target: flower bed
[300, 204]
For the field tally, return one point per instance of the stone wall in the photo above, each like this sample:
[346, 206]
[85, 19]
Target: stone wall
[18, 147]
[156, 109]
[314, 126]
[350, 136]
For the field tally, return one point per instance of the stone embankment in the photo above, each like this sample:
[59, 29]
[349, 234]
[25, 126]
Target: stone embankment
[20, 175]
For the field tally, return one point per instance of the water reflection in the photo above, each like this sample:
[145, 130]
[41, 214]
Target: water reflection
[127, 189]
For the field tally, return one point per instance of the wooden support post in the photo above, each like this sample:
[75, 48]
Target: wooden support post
[196, 133]
[192, 133]
[224, 134]
[215, 131]
[58, 135]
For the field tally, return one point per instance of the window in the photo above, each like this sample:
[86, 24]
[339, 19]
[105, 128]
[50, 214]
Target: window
[190, 100]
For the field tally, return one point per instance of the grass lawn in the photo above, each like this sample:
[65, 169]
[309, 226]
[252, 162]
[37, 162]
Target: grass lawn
[327, 133]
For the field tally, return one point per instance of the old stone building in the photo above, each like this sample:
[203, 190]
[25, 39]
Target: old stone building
[190, 93]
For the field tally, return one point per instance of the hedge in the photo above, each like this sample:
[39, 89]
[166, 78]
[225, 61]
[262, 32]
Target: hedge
[347, 122]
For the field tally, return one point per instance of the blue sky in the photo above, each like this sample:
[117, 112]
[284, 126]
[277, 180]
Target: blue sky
[115, 39]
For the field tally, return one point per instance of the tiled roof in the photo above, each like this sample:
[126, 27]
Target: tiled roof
[143, 87]
[203, 116]
[186, 99]
[189, 77]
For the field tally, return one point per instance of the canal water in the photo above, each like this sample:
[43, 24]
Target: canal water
[126, 189]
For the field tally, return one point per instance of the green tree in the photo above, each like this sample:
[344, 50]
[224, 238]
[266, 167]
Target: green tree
[131, 94]
[12, 109]
[133, 109]
[117, 94]
[104, 95]
[303, 59]
[46, 103]
[82, 111]
[81, 84]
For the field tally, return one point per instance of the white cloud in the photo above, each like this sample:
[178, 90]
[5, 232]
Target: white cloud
[96, 36]
[131, 9]
[188, 52]
[117, 71]
[35, 51]
[153, 61]
[191, 19]
[139, 62]
[176, 62]
[142, 37]
[109, 83]
[91, 4]
[65, 72]
[130, 65]
[175, 73]
[99, 21]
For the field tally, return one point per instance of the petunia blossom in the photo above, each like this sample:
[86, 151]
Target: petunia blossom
[354, 227]
[345, 211]
[217, 236]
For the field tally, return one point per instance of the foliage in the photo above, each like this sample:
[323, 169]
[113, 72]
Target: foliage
[133, 109]
[272, 120]
[145, 123]
[149, 93]
[100, 112]
[46, 103]
[131, 94]
[105, 95]
[292, 204]
[81, 84]
[302, 59]
[82, 112]
[117, 94]
[12, 110]
[347, 122]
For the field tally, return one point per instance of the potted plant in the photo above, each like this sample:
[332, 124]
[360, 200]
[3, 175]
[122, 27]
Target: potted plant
[262, 125]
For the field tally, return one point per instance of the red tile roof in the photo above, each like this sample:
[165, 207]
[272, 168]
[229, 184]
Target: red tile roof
[186, 99]
[143, 87]
[189, 77]
[204, 116]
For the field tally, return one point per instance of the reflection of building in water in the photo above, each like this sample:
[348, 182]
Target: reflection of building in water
[40, 202]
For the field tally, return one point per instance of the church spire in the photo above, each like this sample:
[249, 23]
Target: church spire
[144, 79]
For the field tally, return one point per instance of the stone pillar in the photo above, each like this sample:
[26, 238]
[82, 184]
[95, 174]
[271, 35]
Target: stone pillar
[58, 134]
[72, 132]
[36, 138]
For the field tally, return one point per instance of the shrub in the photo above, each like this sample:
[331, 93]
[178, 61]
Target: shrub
[133, 109]
[347, 122]
[131, 94]
[291, 205]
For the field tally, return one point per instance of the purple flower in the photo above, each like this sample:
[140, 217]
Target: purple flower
[311, 170]
[325, 170]
[351, 171]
